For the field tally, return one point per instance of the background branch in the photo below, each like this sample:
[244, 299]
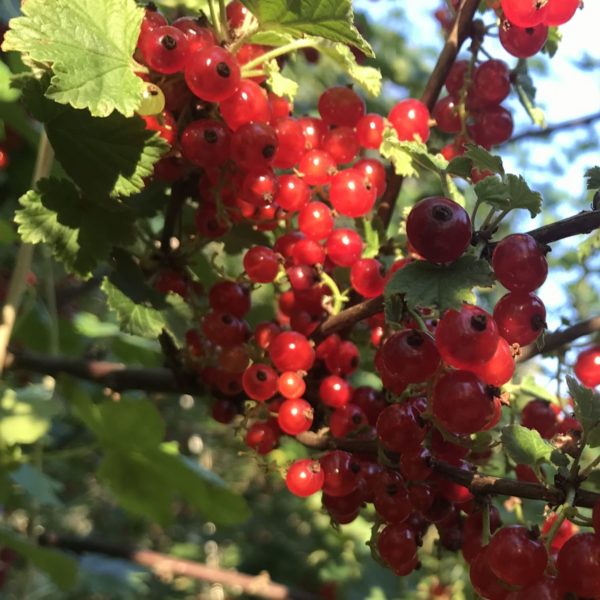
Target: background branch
[552, 129]
[164, 565]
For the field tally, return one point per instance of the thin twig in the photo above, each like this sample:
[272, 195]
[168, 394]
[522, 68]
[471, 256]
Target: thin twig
[552, 129]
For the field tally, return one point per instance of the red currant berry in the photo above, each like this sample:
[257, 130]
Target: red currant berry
[347, 420]
[456, 77]
[291, 351]
[350, 194]
[293, 194]
[228, 296]
[291, 385]
[491, 82]
[370, 400]
[317, 167]
[261, 264]
[521, 317]
[224, 329]
[587, 367]
[483, 580]
[341, 473]
[305, 477]
[439, 229]
[314, 130]
[579, 564]
[523, 42]
[410, 355]
[334, 391]
[205, 143]
[519, 263]
[446, 116]
[344, 247]
[165, 49]
[198, 37]
[341, 106]
[539, 415]
[254, 145]
[491, 126]
[373, 173]
[262, 437]
[341, 144]
[399, 427]
[315, 221]
[397, 544]
[391, 498]
[367, 277]
[524, 13]
[499, 369]
[248, 103]
[212, 74]
[259, 382]
[224, 411]
[558, 12]
[410, 118]
[280, 107]
[295, 416]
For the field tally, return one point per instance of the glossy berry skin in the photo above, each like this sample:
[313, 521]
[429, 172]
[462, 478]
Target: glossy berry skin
[197, 36]
[466, 337]
[315, 221]
[165, 49]
[547, 588]
[347, 420]
[305, 478]
[291, 385]
[261, 264]
[516, 557]
[399, 428]
[491, 126]
[391, 499]
[248, 103]
[461, 402]
[341, 106]
[212, 74]
[410, 355]
[224, 411]
[483, 580]
[587, 367]
[262, 437]
[291, 351]
[367, 277]
[259, 382]
[317, 167]
[206, 143]
[456, 77]
[344, 247]
[519, 263]
[231, 297]
[397, 544]
[334, 391]
[521, 318]
[373, 172]
[254, 145]
[559, 12]
[410, 118]
[499, 369]
[369, 131]
[439, 229]
[446, 116]
[293, 194]
[314, 130]
[224, 329]
[523, 42]
[341, 144]
[579, 564]
[341, 473]
[290, 143]
[491, 82]
[524, 13]
[295, 416]
[350, 194]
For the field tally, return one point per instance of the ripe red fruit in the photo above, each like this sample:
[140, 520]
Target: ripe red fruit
[206, 143]
[587, 367]
[462, 403]
[347, 420]
[165, 49]
[224, 329]
[254, 145]
[516, 556]
[369, 131]
[248, 103]
[262, 437]
[499, 369]
[317, 167]
[367, 277]
[400, 428]
[229, 296]
[261, 264]
[491, 126]
[439, 229]
[579, 564]
[539, 415]
[259, 382]
[520, 317]
[212, 74]
[523, 42]
[456, 77]
[445, 113]
[410, 118]
[341, 144]
[291, 385]
[350, 194]
[466, 337]
[391, 498]
[522, 250]
[341, 473]
[315, 221]
[564, 533]
[483, 580]
[344, 247]
[341, 106]
[547, 588]
[314, 130]
[295, 416]
[491, 82]
[373, 173]
[334, 391]
[397, 544]
[293, 194]
[291, 143]
[224, 411]
[305, 477]
[291, 351]
[524, 13]
[197, 36]
[410, 355]
[559, 12]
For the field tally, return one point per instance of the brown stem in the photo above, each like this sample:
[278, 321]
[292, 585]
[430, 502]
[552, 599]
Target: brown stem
[552, 129]
[457, 36]
[256, 585]
[584, 222]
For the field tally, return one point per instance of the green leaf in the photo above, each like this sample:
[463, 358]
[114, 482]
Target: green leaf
[62, 569]
[587, 410]
[113, 156]
[41, 487]
[89, 46]
[484, 160]
[26, 414]
[588, 246]
[593, 178]
[80, 232]
[460, 166]
[407, 157]
[525, 446]
[280, 85]
[367, 77]
[443, 286]
[494, 192]
[329, 19]
[521, 196]
[526, 92]
[553, 41]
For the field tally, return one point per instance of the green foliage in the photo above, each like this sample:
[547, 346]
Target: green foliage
[525, 446]
[88, 46]
[587, 410]
[329, 19]
[424, 284]
[593, 178]
[42, 488]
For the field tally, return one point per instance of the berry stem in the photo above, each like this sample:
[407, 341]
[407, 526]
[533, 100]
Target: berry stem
[18, 279]
[215, 20]
[276, 52]
[339, 299]
[224, 24]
